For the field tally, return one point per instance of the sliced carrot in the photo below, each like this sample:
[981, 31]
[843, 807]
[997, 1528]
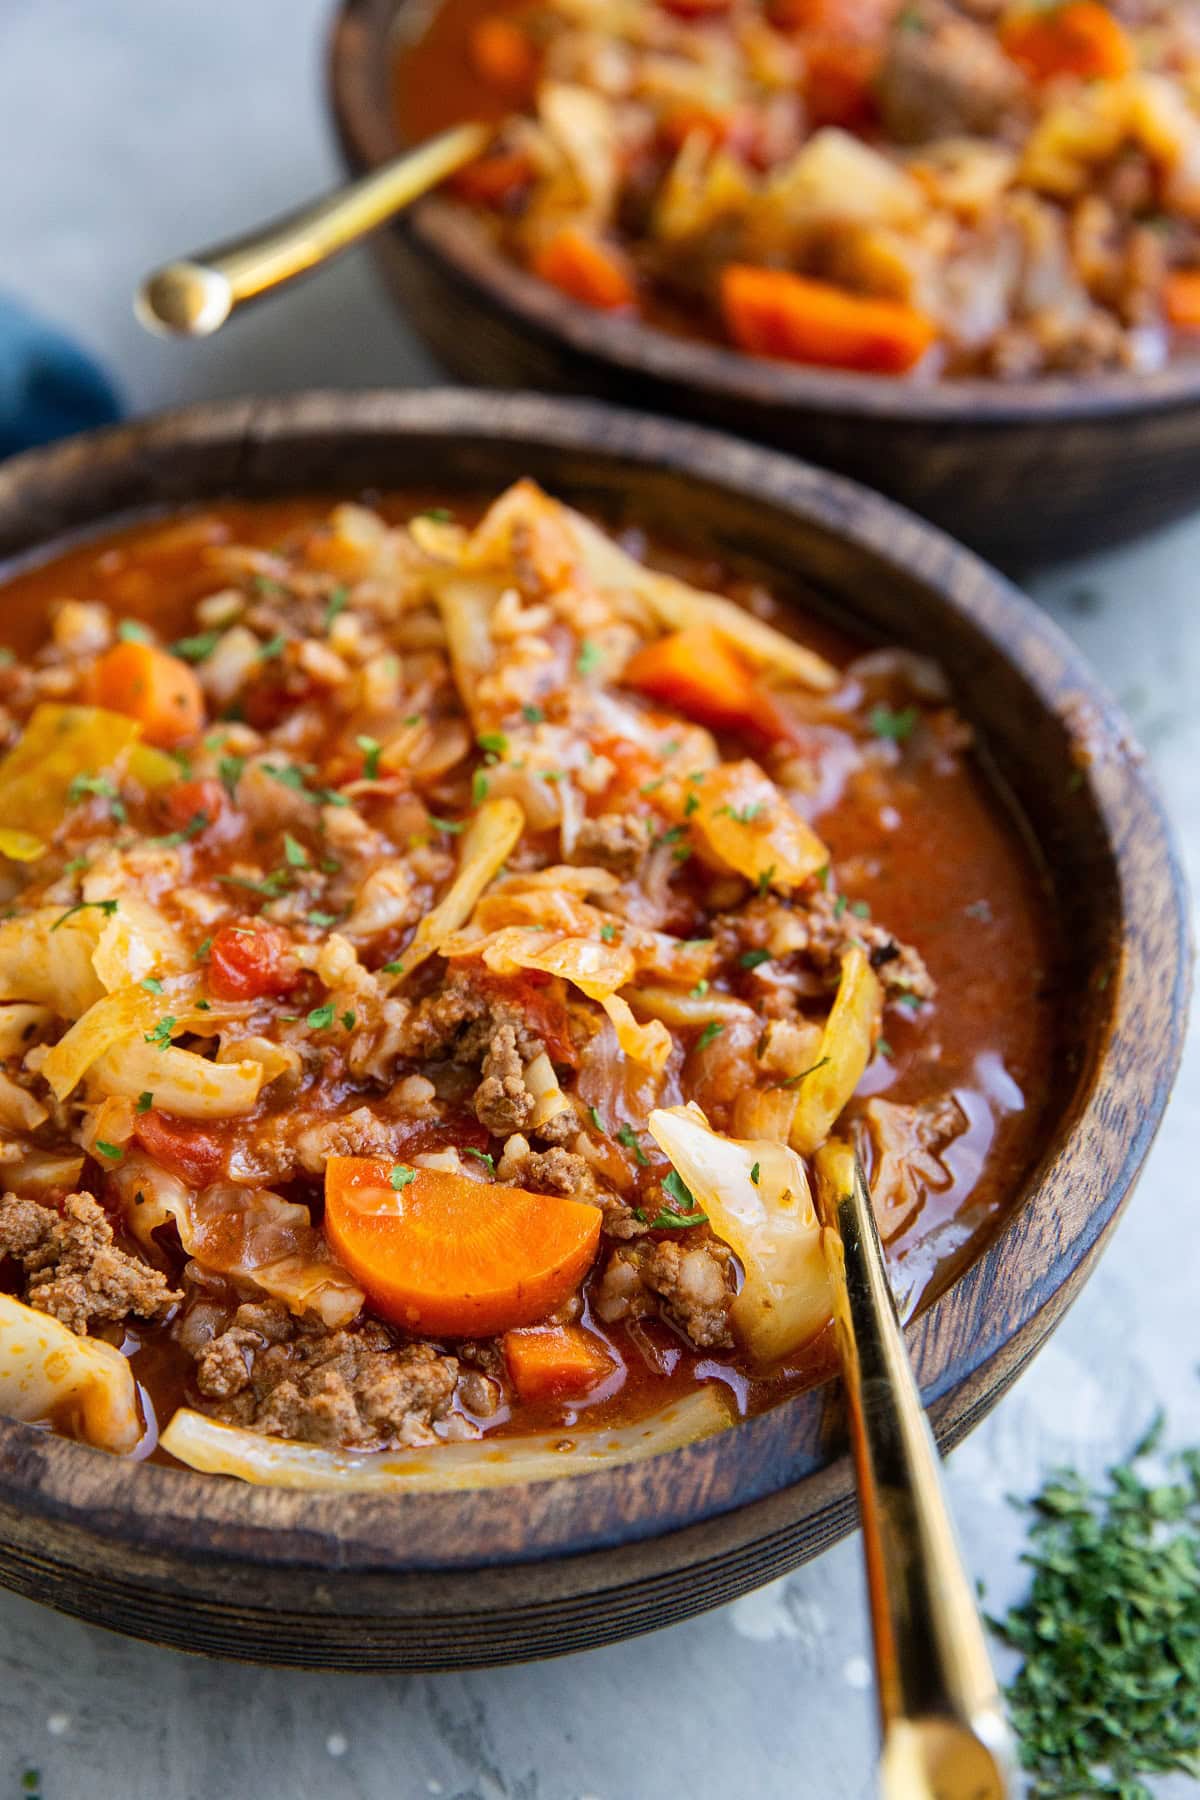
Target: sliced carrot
[1080, 38]
[502, 54]
[494, 179]
[151, 686]
[1181, 299]
[700, 674]
[555, 1362]
[771, 313]
[839, 82]
[441, 1253]
[586, 269]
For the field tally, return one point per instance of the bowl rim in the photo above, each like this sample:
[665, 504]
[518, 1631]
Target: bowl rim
[153, 1508]
[449, 233]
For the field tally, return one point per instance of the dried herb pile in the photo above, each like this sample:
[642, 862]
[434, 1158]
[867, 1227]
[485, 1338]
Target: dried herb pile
[1110, 1631]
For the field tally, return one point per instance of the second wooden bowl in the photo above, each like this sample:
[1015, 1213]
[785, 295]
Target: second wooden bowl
[429, 1581]
[1023, 471]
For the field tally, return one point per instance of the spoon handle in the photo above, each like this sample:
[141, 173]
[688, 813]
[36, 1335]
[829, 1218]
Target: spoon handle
[944, 1735]
[194, 296]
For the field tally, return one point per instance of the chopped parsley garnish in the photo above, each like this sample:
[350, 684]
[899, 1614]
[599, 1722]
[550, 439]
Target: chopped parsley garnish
[482, 1156]
[83, 786]
[494, 742]
[372, 750]
[230, 770]
[532, 715]
[628, 1136]
[743, 815]
[453, 826]
[269, 888]
[132, 631]
[1109, 1691]
[296, 854]
[754, 1173]
[321, 1017]
[822, 876]
[107, 907]
[766, 877]
[145, 1100]
[754, 959]
[671, 835]
[335, 606]
[911, 1002]
[272, 648]
[202, 951]
[161, 1034]
[712, 1030]
[401, 1176]
[550, 775]
[597, 1122]
[795, 1080]
[196, 649]
[441, 515]
[882, 1047]
[321, 921]
[113, 1152]
[392, 968]
[691, 805]
[677, 1189]
[700, 989]
[860, 909]
[666, 1220]
[608, 933]
[839, 906]
[196, 824]
[479, 788]
[589, 658]
[349, 1020]
[151, 984]
[886, 722]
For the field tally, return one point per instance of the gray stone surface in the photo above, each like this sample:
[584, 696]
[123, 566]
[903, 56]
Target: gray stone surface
[130, 130]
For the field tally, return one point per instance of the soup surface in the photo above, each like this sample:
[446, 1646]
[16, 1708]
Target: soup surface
[925, 187]
[441, 947]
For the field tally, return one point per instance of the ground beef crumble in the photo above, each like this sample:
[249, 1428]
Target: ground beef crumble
[820, 930]
[611, 842]
[74, 1270]
[356, 1389]
[691, 1285]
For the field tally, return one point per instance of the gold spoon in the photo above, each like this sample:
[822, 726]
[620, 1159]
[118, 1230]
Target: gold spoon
[194, 296]
[944, 1734]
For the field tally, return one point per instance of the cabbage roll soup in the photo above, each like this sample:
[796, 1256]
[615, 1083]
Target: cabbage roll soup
[443, 946]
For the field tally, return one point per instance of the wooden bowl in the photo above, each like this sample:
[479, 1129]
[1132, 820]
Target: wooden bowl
[448, 1581]
[1023, 471]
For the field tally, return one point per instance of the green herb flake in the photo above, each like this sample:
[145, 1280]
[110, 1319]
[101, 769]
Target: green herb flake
[230, 768]
[349, 1020]
[113, 1152]
[607, 933]
[161, 1034]
[202, 951]
[795, 1080]
[372, 750]
[441, 515]
[589, 658]
[392, 968]
[107, 907]
[274, 647]
[132, 631]
[453, 826]
[910, 1002]
[479, 788]
[839, 906]
[196, 649]
[883, 1048]
[494, 742]
[712, 1030]
[335, 606]
[532, 715]
[152, 984]
[145, 1101]
[481, 1156]
[898, 726]
[700, 989]
[321, 921]
[321, 1017]
[754, 959]
[83, 787]
[860, 909]
[676, 1189]
[628, 1137]
[766, 877]
[754, 1173]
[198, 822]
[295, 853]
[402, 1176]
[691, 805]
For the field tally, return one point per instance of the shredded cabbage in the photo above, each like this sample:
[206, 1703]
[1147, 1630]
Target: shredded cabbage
[746, 822]
[217, 1449]
[489, 838]
[79, 1384]
[846, 1046]
[757, 1198]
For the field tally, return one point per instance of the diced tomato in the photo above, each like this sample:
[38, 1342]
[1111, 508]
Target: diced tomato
[250, 959]
[271, 696]
[193, 1152]
[494, 180]
[839, 83]
[182, 804]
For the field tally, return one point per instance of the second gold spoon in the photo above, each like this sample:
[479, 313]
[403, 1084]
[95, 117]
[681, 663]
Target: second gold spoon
[194, 296]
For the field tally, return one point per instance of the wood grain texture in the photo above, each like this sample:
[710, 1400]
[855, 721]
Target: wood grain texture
[438, 1581]
[1023, 471]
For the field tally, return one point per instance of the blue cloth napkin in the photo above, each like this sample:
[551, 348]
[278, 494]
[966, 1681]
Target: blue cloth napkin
[49, 388]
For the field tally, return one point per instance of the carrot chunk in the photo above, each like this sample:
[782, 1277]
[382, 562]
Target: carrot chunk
[151, 686]
[555, 1362]
[697, 672]
[441, 1253]
[581, 266]
[502, 54]
[1080, 38]
[771, 313]
[1181, 299]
